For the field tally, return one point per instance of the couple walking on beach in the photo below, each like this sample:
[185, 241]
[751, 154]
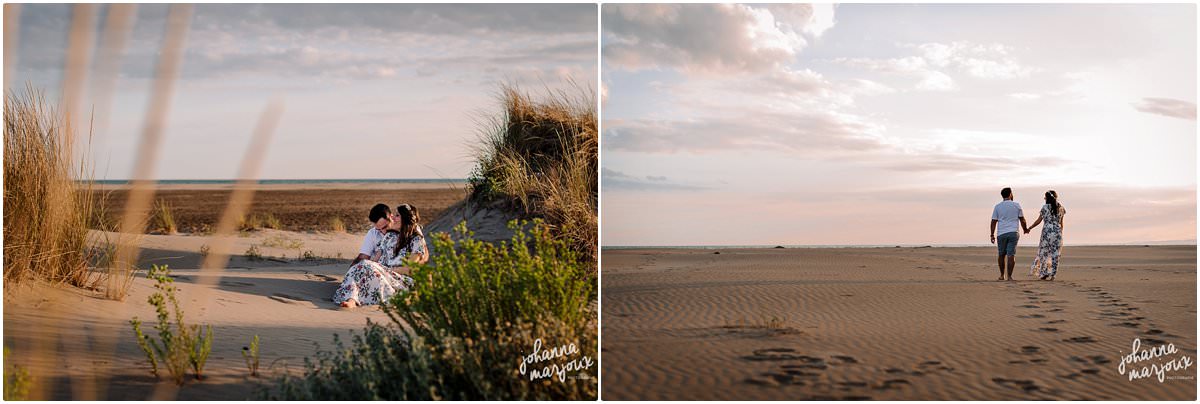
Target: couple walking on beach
[1005, 217]
[379, 271]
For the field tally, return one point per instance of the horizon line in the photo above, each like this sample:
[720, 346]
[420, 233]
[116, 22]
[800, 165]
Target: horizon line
[1190, 242]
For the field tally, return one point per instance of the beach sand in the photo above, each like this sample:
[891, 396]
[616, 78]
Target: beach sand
[285, 301]
[892, 324]
[299, 207]
[65, 335]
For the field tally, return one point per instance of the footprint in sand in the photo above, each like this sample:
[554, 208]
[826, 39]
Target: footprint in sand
[1129, 324]
[845, 359]
[289, 299]
[1047, 329]
[1031, 316]
[1080, 340]
[1023, 385]
[1029, 306]
[893, 384]
[1059, 321]
[319, 277]
[780, 354]
[1030, 349]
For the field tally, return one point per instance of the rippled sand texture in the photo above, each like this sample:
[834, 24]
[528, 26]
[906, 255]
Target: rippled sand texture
[891, 323]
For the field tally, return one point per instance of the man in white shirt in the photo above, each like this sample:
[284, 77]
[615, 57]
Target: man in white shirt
[380, 217]
[1005, 216]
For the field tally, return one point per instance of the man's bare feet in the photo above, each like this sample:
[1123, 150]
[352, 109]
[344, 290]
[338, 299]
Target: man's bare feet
[1001, 279]
[1010, 279]
[350, 304]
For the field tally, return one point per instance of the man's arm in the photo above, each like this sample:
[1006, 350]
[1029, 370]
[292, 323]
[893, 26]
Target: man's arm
[1023, 226]
[992, 233]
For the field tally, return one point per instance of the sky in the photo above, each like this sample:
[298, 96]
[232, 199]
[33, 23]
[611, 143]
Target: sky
[882, 124]
[368, 91]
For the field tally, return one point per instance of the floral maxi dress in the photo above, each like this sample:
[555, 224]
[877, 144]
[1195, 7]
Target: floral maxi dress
[1046, 262]
[372, 281]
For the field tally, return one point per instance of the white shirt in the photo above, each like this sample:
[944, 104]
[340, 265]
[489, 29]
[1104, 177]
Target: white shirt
[370, 241]
[1007, 213]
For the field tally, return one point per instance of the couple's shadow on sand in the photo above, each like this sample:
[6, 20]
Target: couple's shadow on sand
[308, 283]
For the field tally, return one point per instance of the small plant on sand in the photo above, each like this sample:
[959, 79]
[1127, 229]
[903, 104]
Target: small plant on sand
[179, 345]
[250, 353]
[309, 256]
[164, 219]
[456, 333]
[16, 380]
[271, 222]
[248, 223]
[336, 225]
[253, 254]
[204, 250]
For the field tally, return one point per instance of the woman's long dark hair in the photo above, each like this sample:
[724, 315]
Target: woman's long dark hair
[1052, 200]
[409, 219]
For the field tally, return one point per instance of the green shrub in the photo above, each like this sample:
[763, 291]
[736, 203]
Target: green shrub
[17, 381]
[179, 345]
[456, 333]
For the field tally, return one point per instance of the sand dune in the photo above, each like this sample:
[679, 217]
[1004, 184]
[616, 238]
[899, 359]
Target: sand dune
[284, 301]
[890, 323]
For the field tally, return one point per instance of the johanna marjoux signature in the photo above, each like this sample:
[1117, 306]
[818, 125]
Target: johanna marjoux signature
[1157, 361]
[553, 362]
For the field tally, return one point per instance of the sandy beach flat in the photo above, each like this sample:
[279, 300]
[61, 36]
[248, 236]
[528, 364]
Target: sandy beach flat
[299, 207]
[65, 335]
[891, 323]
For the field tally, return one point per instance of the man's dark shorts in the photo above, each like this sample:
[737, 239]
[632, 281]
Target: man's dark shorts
[1007, 243]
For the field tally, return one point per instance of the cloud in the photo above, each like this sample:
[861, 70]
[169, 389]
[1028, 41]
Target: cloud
[1167, 107]
[990, 61]
[352, 41]
[955, 163]
[617, 180]
[709, 38]
[986, 61]
[801, 132]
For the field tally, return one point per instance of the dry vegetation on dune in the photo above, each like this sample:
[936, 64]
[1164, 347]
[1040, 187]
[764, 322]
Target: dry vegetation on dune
[47, 212]
[540, 155]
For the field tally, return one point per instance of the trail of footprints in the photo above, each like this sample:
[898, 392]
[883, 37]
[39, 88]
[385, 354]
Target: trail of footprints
[1109, 308]
[813, 372]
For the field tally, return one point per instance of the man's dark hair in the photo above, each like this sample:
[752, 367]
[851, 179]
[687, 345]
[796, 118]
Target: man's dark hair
[1006, 192]
[379, 211]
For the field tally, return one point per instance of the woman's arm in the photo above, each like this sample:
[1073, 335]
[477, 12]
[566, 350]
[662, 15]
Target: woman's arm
[1036, 222]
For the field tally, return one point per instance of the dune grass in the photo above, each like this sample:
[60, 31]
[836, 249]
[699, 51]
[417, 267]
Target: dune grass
[49, 199]
[336, 225]
[164, 220]
[541, 155]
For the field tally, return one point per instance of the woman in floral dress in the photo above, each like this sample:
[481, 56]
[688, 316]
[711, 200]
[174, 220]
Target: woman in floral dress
[375, 280]
[1045, 264]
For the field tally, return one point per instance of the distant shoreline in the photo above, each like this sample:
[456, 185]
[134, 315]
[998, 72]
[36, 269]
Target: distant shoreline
[295, 184]
[299, 181]
[1191, 243]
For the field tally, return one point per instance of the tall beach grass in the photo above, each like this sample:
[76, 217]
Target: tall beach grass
[49, 200]
[541, 156]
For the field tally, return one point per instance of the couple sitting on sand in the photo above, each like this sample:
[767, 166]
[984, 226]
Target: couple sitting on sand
[378, 272]
[1005, 216]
